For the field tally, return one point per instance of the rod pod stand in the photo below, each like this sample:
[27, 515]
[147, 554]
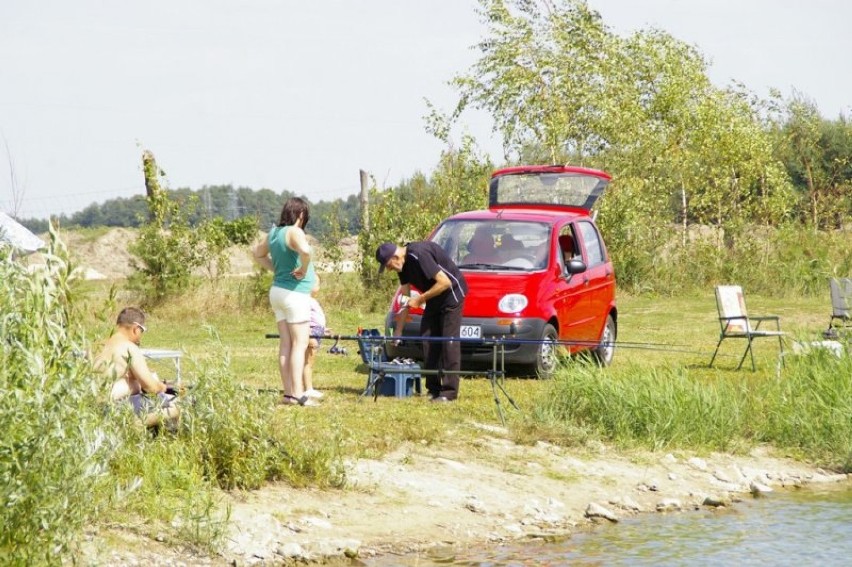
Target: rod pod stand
[495, 374]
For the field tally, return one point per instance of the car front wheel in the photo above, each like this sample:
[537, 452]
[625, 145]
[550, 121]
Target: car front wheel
[547, 349]
[606, 349]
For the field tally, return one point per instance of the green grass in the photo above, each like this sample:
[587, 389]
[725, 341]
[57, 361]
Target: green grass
[680, 334]
[669, 398]
[658, 394]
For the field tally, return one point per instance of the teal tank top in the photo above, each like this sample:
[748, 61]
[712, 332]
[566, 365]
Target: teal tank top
[285, 260]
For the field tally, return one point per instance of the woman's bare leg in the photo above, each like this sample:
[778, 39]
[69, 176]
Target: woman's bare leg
[285, 345]
[299, 335]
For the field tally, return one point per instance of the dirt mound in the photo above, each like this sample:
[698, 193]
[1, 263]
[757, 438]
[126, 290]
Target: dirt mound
[95, 257]
[106, 255]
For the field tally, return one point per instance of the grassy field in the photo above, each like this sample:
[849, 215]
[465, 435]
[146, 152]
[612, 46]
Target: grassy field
[659, 393]
[659, 334]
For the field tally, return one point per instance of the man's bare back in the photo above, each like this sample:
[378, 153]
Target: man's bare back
[122, 360]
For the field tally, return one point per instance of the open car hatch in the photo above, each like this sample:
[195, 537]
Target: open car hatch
[549, 186]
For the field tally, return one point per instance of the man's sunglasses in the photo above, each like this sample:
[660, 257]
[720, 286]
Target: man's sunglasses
[141, 326]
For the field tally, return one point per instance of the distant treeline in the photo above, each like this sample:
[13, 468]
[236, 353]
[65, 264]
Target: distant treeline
[222, 201]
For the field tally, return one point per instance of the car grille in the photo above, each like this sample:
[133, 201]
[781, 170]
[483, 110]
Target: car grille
[473, 348]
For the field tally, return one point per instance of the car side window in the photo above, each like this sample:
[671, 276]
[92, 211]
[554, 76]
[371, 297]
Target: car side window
[592, 243]
[567, 245]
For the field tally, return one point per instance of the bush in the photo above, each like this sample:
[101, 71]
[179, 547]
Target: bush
[54, 446]
[169, 248]
[228, 439]
[791, 259]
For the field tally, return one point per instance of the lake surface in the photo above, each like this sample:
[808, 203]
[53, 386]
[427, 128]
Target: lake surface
[803, 528]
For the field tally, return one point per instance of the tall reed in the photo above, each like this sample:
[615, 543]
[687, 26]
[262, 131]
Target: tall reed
[55, 446]
[806, 408]
[787, 260]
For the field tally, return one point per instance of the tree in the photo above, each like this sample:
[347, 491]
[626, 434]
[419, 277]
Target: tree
[169, 248]
[562, 87]
[412, 210]
[818, 156]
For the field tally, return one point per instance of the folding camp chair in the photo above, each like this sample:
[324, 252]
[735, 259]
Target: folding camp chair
[386, 378]
[735, 322]
[841, 304]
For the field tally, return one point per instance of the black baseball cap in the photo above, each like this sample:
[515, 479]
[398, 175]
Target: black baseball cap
[384, 253]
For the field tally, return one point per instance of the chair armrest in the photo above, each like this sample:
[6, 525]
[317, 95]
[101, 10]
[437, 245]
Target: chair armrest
[763, 318]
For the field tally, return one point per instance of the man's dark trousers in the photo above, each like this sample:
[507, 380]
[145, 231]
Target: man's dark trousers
[442, 355]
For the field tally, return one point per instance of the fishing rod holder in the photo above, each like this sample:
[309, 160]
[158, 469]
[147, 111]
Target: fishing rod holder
[495, 374]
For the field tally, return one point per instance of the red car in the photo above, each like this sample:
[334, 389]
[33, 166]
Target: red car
[536, 267]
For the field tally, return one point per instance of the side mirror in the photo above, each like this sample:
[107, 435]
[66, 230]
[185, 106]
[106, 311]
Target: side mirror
[575, 267]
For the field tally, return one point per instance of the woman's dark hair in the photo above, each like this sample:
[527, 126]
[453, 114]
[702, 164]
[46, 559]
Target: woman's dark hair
[294, 207]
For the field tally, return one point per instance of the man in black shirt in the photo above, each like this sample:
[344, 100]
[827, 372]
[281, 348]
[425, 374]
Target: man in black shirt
[427, 267]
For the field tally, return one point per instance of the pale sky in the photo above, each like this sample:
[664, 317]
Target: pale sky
[301, 95]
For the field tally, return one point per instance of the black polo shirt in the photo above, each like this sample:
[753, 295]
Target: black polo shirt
[423, 261]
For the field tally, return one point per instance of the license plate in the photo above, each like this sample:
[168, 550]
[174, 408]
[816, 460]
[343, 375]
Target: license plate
[471, 332]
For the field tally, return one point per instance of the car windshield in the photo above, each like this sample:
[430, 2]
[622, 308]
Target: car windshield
[495, 244]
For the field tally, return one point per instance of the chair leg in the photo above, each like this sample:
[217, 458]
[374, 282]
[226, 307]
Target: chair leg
[745, 354]
[380, 378]
[716, 351]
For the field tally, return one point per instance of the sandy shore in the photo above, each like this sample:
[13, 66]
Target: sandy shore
[496, 491]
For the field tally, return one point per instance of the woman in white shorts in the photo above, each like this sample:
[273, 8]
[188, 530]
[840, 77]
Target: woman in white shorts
[287, 253]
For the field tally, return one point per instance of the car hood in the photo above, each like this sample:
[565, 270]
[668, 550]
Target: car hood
[486, 289]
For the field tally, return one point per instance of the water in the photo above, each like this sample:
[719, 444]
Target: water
[802, 528]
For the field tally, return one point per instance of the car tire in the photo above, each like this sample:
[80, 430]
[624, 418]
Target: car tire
[605, 351]
[546, 358]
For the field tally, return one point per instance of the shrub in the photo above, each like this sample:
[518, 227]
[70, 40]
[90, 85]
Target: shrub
[54, 447]
[169, 248]
[228, 439]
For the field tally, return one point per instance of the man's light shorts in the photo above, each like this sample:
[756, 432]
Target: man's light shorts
[290, 306]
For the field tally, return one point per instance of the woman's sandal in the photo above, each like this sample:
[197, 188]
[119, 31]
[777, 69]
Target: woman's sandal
[294, 401]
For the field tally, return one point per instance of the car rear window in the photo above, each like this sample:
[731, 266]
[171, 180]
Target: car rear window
[577, 190]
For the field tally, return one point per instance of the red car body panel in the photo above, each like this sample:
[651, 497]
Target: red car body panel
[577, 305]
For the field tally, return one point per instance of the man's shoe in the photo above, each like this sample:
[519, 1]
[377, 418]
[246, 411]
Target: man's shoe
[440, 399]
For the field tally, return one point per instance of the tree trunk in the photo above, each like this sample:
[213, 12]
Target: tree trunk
[365, 202]
[152, 185]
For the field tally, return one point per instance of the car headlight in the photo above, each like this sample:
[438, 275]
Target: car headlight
[512, 303]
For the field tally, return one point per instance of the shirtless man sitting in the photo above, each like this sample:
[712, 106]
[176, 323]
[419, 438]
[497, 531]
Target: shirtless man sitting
[122, 359]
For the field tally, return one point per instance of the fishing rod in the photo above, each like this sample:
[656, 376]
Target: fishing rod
[490, 341]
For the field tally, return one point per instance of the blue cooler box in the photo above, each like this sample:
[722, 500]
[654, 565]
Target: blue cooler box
[400, 384]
